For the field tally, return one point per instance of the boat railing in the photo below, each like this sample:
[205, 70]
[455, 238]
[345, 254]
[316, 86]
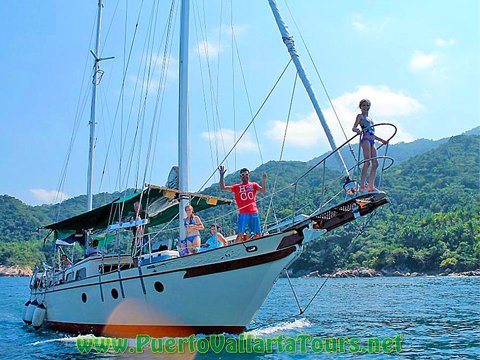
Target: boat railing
[329, 197]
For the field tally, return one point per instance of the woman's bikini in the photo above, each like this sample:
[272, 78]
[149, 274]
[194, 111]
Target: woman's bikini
[368, 132]
[191, 222]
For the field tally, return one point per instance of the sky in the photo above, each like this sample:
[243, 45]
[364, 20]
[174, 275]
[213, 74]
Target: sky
[417, 61]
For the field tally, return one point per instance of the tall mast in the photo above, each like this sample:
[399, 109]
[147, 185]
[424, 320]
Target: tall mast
[289, 43]
[96, 68]
[183, 121]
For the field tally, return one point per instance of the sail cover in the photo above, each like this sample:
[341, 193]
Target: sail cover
[160, 204]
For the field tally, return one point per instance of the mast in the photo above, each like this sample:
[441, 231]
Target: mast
[96, 68]
[289, 43]
[183, 121]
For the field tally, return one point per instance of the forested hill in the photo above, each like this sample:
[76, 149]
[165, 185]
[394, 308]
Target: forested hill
[432, 222]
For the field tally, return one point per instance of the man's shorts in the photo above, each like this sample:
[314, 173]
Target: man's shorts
[250, 221]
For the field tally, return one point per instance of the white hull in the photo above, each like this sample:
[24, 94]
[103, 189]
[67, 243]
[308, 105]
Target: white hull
[211, 292]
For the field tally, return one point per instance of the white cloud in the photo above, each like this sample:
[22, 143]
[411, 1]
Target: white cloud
[361, 24]
[357, 25]
[237, 30]
[306, 132]
[445, 42]
[48, 196]
[387, 106]
[156, 61]
[207, 49]
[421, 61]
[385, 102]
[225, 138]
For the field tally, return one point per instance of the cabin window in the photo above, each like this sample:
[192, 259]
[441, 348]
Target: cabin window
[69, 276]
[107, 268]
[81, 274]
[114, 293]
[159, 286]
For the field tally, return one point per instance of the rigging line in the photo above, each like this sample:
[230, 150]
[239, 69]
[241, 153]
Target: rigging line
[124, 74]
[103, 105]
[140, 119]
[209, 134]
[250, 123]
[362, 229]
[321, 81]
[295, 315]
[314, 296]
[77, 119]
[167, 36]
[163, 86]
[282, 148]
[134, 140]
[122, 112]
[63, 174]
[109, 27]
[248, 96]
[233, 87]
[139, 123]
[294, 293]
[158, 102]
[213, 95]
[219, 45]
[144, 93]
[126, 175]
[328, 202]
[124, 134]
[122, 89]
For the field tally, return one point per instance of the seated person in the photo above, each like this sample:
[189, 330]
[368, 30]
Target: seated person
[216, 240]
[65, 262]
[93, 250]
[161, 247]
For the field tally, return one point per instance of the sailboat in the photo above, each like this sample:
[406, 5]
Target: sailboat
[157, 291]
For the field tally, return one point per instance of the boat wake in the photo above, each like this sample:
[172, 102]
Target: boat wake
[283, 326]
[66, 339]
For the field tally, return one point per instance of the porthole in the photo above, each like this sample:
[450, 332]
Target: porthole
[115, 293]
[84, 297]
[159, 286]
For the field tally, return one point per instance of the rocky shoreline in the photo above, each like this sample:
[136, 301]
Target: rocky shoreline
[373, 273]
[15, 271]
[26, 271]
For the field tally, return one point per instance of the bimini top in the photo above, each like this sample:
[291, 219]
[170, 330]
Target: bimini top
[160, 203]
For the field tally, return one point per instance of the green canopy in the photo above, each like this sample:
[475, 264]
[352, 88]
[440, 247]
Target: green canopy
[160, 203]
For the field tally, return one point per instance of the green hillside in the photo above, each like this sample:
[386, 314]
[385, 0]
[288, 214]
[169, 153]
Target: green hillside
[432, 222]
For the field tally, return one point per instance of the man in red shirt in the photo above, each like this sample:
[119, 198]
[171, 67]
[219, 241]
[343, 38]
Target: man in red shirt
[245, 197]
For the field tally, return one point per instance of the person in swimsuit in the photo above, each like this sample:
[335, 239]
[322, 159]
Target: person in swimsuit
[216, 240]
[193, 225]
[367, 141]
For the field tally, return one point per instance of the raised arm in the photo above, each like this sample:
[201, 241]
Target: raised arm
[263, 188]
[222, 171]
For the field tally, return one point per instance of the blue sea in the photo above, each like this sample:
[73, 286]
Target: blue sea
[437, 318]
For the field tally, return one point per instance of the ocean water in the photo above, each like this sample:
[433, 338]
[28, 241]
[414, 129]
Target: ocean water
[437, 317]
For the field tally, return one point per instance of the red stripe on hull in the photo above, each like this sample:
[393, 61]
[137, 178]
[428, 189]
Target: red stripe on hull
[131, 331]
